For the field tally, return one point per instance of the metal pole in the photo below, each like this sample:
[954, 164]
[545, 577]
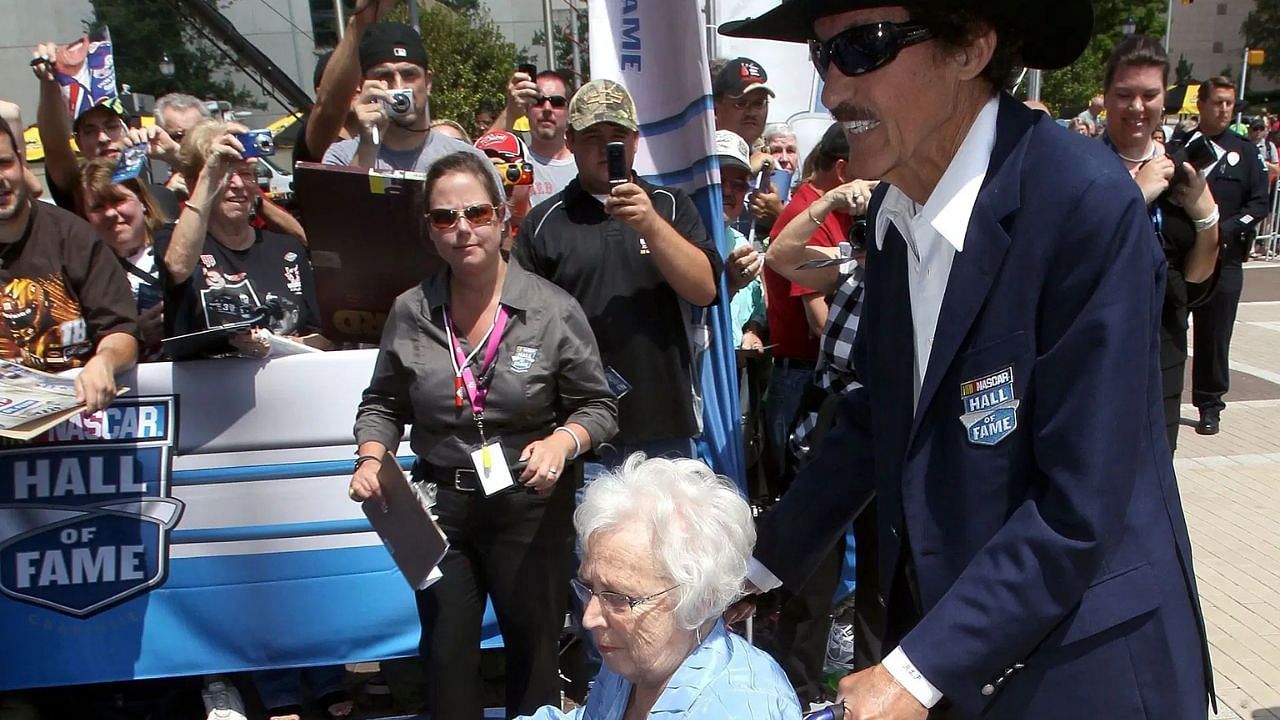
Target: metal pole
[339, 18]
[577, 47]
[413, 16]
[1034, 82]
[1244, 75]
[1168, 26]
[548, 28]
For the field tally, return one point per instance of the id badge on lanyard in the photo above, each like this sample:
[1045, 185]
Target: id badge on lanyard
[489, 461]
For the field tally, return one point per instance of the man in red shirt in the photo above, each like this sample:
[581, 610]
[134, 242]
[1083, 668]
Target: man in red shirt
[797, 314]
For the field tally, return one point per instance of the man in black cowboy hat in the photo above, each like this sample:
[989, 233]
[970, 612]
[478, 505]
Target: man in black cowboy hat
[1033, 553]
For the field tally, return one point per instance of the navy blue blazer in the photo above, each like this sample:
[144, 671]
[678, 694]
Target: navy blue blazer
[1034, 480]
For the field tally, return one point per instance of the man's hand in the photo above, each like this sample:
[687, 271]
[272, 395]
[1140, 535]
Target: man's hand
[95, 385]
[42, 61]
[370, 112]
[178, 185]
[159, 144]
[743, 265]
[1153, 177]
[255, 343]
[368, 12]
[629, 203]
[521, 92]
[873, 694]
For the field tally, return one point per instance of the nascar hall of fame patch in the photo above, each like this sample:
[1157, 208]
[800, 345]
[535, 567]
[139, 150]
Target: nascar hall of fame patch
[523, 358]
[990, 410]
[85, 511]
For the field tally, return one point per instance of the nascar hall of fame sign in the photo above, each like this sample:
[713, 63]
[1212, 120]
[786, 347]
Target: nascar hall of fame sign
[85, 512]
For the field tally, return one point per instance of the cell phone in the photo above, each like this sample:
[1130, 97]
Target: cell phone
[616, 155]
[528, 69]
[1198, 151]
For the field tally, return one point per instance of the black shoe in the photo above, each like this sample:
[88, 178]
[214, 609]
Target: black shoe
[1208, 424]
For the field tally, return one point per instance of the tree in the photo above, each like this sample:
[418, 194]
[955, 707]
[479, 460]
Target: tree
[1185, 72]
[142, 31]
[564, 47]
[471, 61]
[1068, 91]
[1260, 33]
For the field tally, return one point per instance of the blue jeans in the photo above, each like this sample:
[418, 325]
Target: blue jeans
[786, 390]
[294, 686]
[608, 459]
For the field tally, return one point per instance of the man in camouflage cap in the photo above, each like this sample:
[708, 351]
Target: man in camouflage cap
[634, 255]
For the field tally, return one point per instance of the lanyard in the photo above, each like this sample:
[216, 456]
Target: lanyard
[463, 376]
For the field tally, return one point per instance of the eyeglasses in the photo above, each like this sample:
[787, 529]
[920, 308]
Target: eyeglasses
[114, 130]
[613, 601]
[863, 48]
[557, 101]
[446, 218]
[757, 104]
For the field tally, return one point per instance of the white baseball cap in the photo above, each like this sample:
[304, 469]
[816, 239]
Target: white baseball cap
[732, 150]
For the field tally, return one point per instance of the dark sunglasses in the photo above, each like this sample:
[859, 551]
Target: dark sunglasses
[446, 218]
[863, 48]
[557, 101]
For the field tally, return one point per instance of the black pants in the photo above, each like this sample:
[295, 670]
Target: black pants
[515, 548]
[1211, 334]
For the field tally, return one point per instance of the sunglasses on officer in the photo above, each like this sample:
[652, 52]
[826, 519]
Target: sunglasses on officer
[447, 218]
[557, 101]
[862, 48]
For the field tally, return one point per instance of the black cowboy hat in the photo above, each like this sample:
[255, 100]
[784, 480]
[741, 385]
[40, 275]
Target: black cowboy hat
[1053, 34]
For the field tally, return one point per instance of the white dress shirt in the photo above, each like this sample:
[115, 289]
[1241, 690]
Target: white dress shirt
[934, 234]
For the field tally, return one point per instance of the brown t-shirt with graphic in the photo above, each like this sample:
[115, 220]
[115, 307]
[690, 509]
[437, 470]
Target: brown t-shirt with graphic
[61, 291]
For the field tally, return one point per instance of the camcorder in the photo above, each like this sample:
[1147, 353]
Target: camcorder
[1197, 151]
[257, 143]
[401, 102]
[515, 173]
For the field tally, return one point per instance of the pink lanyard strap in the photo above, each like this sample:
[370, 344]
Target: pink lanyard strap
[462, 363]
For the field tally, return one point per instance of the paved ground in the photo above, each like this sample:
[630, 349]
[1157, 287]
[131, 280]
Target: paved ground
[1230, 486]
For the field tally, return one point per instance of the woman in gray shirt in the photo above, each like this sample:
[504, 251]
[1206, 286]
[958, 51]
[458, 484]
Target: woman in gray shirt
[498, 373]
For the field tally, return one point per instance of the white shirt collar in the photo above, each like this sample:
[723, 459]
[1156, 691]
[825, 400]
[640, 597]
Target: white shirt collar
[950, 205]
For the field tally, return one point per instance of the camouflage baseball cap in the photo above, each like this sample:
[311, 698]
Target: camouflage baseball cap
[602, 101]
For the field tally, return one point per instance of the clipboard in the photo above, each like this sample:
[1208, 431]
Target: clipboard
[403, 521]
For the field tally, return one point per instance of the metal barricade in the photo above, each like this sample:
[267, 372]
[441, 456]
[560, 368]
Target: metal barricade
[1272, 237]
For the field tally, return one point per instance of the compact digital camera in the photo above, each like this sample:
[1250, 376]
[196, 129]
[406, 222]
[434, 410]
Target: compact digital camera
[401, 102]
[257, 143]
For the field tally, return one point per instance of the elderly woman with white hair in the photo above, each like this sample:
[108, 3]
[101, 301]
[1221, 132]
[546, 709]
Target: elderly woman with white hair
[665, 545]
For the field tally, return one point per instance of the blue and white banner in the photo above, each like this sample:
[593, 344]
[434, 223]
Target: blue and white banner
[200, 524]
[657, 51]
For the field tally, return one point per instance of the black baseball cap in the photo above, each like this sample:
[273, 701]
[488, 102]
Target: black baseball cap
[391, 42]
[740, 76]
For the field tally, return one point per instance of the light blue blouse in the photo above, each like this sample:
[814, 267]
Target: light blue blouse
[725, 677]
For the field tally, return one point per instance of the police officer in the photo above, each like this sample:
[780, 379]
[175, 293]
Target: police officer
[1239, 183]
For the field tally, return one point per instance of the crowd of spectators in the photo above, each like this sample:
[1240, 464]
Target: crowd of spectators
[609, 276]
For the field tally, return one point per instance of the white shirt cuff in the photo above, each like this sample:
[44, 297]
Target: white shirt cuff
[760, 576]
[905, 672]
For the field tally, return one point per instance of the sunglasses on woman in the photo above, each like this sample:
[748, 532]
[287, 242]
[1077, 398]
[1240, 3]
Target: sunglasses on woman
[863, 48]
[447, 218]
